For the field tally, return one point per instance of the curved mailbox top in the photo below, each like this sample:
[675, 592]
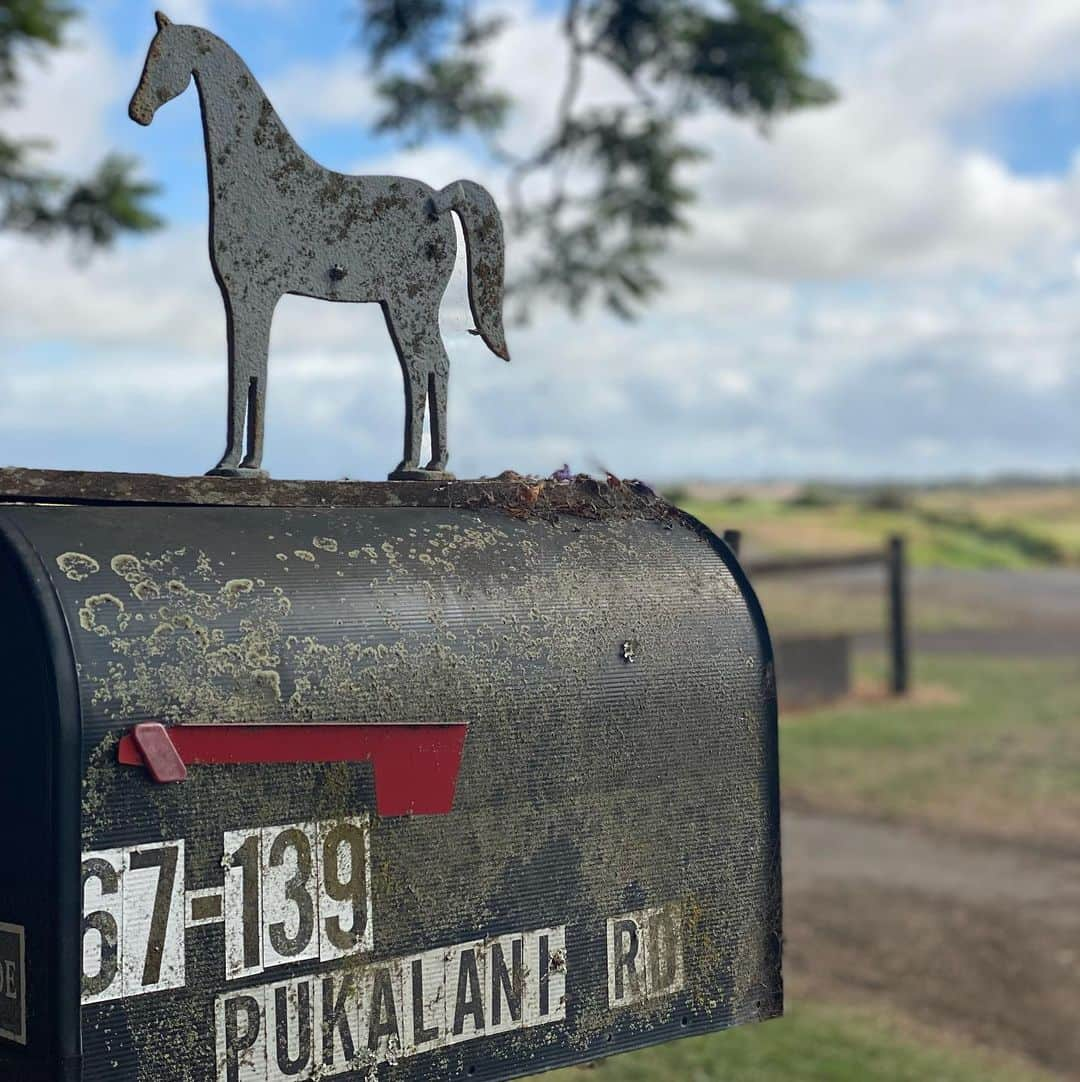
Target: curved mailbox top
[261, 615]
[605, 871]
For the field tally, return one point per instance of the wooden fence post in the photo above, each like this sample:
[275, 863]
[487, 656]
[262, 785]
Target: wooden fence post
[732, 539]
[896, 565]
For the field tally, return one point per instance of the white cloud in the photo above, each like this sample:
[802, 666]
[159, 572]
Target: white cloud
[64, 96]
[859, 293]
[958, 55]
[193, 12]
[857, 190]
[337, 93]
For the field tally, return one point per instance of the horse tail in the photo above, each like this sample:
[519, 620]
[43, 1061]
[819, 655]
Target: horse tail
[485, 255]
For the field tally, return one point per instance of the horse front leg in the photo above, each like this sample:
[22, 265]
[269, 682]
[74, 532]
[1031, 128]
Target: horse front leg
[236, 404]
[256, 421]
[248, 324]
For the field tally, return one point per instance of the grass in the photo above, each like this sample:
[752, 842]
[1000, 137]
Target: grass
[812, 1043]
[992, 746]
[963, 528]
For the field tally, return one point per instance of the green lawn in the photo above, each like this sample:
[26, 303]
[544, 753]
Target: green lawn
[986, 744]
[812, 1043]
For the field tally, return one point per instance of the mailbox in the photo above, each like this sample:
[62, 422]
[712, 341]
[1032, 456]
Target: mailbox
[413, 781]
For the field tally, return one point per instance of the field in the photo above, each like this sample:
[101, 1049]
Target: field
[1049, 513]
[965, 527]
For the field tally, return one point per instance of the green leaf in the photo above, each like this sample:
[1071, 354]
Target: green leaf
[29, 25]
[614, 179]
[389, 26]
[95, 210]
[35, 200]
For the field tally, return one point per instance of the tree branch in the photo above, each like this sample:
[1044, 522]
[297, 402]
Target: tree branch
[602, 236]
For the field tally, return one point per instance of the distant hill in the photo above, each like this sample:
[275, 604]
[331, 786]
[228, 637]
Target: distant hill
[1017, 522]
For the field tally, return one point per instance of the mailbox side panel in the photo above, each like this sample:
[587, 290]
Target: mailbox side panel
[39, 822]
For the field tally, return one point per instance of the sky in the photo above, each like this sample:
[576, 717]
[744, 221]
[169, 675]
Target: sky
[886, 288]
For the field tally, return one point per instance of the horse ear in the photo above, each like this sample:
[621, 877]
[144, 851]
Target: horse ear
[162, 20]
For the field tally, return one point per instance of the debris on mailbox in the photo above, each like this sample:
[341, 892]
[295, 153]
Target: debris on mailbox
[409, 780]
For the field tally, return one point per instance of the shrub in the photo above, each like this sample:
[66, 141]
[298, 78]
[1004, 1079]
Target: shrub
[814, 495]
[676, 494]
[887, 498]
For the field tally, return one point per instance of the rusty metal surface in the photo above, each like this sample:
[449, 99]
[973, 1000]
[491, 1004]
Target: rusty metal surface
[616, 678]
[282, 223]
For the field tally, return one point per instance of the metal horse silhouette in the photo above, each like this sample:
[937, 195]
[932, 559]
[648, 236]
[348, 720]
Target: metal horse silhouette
[282, 223]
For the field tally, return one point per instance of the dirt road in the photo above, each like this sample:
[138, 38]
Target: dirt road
[980, 939]
[1029, 642]
[1048, 597]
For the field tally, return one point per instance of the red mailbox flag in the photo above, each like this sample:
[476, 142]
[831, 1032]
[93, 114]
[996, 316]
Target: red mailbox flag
[416, 766]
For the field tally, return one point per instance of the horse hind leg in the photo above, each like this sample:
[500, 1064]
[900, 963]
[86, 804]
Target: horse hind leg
[415, 402]
[438, 381]
[424, 365]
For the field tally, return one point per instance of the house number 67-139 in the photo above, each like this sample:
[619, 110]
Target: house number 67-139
[290, 893]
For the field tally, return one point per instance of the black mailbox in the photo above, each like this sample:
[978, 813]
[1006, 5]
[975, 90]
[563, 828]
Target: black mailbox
[404, 781]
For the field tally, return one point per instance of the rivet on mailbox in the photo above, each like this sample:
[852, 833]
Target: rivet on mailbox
[419, 779]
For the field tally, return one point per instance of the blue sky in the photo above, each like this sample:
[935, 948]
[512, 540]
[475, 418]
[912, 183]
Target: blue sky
[1036, 133]
[271, 41]
[887, 287]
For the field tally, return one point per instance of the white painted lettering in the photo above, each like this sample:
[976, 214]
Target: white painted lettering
[644, 952]
[350, 1020]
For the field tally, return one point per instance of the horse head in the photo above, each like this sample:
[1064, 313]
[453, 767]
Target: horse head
[165, 74]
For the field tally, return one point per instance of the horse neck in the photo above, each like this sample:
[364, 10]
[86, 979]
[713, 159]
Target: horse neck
[236, 111]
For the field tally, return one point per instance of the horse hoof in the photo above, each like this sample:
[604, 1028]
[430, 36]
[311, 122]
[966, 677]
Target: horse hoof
[414, 473]
[237, 471]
